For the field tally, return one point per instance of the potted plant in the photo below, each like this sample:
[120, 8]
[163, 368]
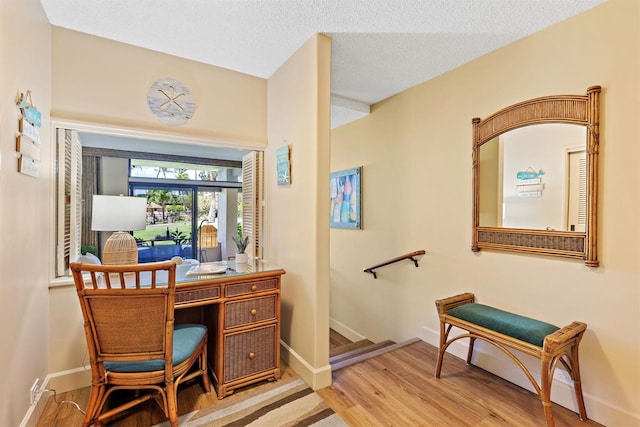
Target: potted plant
[241, 242]
[85, 249]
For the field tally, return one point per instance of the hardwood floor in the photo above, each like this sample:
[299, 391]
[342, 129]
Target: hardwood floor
[393, 389]
[191, 396]
[399, 389]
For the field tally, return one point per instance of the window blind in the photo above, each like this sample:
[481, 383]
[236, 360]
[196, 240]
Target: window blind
[252, 202]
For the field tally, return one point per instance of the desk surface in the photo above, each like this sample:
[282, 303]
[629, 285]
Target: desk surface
[232, 270]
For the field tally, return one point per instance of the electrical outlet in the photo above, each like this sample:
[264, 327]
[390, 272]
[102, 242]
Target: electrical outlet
[564, 376]
[33, 395]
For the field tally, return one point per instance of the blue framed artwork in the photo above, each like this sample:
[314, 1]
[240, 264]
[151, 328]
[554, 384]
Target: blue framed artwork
[283, 165]
[346, 198]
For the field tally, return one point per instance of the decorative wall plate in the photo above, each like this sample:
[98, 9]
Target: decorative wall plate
[171, 102]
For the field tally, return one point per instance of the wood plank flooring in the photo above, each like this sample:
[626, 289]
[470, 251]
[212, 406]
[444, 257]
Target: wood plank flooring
[399, 389]
[394, 389]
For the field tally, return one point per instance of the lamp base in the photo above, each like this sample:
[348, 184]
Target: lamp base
[120, 249]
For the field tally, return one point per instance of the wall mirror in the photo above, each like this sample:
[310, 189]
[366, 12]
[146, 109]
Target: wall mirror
[535, 177]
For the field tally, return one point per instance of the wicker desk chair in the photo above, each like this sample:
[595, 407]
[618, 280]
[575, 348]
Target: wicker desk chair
[129, 330]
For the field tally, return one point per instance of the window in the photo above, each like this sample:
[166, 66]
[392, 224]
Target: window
[188, 178]
[174, 170]
[181, 198]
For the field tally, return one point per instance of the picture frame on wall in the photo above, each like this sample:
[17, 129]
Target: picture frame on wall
[346, 199]
[283, 165]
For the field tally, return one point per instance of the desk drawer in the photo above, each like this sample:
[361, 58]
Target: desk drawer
[249, 311]
[201, 293]
[249, 352]
[250, 287]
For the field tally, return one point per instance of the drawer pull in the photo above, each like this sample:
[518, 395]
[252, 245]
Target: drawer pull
[252, 355]
[254, 312]
[254, 288]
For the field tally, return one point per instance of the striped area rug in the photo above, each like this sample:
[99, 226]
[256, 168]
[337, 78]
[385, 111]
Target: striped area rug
[289, 402]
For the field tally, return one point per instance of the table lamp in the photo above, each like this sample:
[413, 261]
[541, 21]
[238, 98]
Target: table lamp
[208, 238]
[120, 214]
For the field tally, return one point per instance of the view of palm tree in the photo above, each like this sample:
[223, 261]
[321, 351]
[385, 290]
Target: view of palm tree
[177, 204]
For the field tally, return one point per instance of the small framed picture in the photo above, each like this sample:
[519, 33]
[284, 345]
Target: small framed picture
[283, 165]
[346, 198]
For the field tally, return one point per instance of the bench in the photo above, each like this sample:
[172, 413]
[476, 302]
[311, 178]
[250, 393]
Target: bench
[505, 330]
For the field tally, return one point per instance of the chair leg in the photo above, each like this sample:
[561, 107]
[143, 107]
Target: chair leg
[93, 408]
[172, 403]
[204, 368]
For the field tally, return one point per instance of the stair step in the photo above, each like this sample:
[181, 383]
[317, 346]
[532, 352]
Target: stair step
[365, 346]
[378, 350]
[345, 348]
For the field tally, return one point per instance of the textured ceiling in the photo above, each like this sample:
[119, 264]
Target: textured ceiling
[380, 47]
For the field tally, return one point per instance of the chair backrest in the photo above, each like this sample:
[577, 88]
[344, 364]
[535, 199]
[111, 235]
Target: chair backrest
[128, 310]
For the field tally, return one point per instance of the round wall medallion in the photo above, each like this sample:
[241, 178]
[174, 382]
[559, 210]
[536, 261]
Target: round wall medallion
[171, 102]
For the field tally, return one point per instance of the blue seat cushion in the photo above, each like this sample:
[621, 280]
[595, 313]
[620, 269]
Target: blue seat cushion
[513, 325]
[186, 338]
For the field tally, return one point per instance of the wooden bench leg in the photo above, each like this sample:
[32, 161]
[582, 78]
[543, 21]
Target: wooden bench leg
[545, 389]
[563, 345]
[444, 333]
[577, 383]
[472, 341]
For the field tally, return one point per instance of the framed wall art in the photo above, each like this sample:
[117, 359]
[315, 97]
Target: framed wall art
[346, 198]
[283, 165]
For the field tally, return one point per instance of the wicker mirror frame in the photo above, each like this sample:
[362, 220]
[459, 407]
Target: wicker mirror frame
[572, 109]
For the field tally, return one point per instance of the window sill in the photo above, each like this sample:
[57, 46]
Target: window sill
[61, 282]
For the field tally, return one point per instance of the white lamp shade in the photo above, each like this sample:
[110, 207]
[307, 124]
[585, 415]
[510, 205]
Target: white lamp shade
[118, 213]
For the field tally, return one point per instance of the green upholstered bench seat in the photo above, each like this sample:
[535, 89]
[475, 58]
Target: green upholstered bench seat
[513, 325]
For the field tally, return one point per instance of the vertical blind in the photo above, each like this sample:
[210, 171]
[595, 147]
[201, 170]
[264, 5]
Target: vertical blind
[252, 202]
[69, 196]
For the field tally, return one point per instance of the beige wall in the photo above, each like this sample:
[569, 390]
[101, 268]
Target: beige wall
[417, 192]
[102, 81]
[297, 229]
[299, 110]
[25, 55]
[417, 183]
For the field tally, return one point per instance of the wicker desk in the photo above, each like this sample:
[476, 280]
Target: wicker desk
[242, 312]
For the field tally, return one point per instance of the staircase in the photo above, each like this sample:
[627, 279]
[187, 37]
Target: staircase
[345, 353]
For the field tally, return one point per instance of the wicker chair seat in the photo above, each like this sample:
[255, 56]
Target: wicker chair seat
[186, 338]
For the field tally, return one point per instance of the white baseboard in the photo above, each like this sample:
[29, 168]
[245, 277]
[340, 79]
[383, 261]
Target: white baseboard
[345, 331]
[71, 379]
[61, 382]
[34, 412]
[487, 357]
[316, 378]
